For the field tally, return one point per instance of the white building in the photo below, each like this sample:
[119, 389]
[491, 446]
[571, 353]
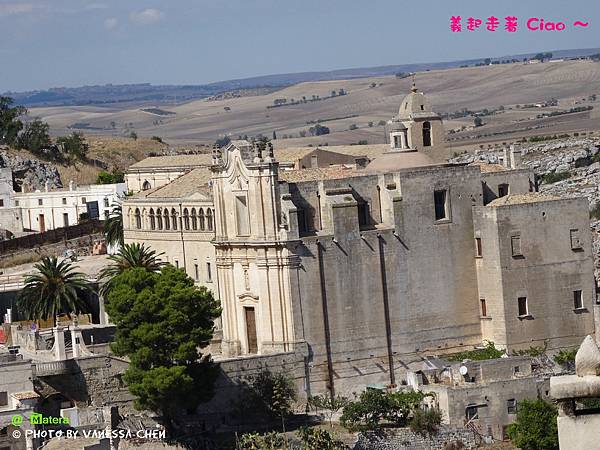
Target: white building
[50, 209]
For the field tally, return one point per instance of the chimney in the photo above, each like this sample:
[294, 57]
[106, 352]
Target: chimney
[505, 158]
[71, 185]
[515, 157]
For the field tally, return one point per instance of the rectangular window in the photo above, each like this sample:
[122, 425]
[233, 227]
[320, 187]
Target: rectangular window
[208, 272]
[16, 202]
[3, 398]
[576, 243]
[515, 245]
[502, 190]
[302, 223]
[441, 204]
[64, 201]
[483, 307]
[1, 202]
[176, 264]
[40, 202]
[511, 406]
[478, 252]
[577, 299]
[65, 219]
[241, 209]
[363, 215]
[106, 204]
[83, 201]
[196, 272]
[523, 310]
[516, 370]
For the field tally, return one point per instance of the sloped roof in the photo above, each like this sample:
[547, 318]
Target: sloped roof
[172, 161]
[313, 174]
[194, 182]
[396, 160]
[517, 199]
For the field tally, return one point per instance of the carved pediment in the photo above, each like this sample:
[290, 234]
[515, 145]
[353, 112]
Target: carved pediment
[248, 296]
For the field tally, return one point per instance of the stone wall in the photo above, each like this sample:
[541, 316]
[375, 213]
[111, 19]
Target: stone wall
[405, 439]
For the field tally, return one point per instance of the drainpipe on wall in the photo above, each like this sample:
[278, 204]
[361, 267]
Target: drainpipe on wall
[386, 310]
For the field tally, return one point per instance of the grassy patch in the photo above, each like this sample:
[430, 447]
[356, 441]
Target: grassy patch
[550, 178]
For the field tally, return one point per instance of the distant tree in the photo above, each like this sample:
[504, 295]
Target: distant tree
[274, 135]
[318, 130]
[302, 133]
[133, 135]
[113, 124]
[10, 124]
[381, 123]
[353, 127]
[372, 85]
[535, 427]
[157, 139]
[370, 124]
[341, 92]
[73, 146]
[333, 93]
[53, 289]
[35, 136]
[163, 320]
[478, 121]
[225, 140]
[227, 108]
[487, 61]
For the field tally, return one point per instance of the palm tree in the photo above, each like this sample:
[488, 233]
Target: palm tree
[113, 225]
[129, 256]
[54, 289]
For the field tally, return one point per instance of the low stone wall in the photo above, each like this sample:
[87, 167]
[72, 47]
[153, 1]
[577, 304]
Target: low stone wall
[405, 439]
[81, 245]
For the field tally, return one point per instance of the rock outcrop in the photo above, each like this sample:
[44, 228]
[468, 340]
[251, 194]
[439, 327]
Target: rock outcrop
[30, 173]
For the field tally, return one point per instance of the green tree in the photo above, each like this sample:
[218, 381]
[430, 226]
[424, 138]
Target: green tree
[327, 403]
[133, 135]
[113, 226]
[535, 427]
[73, 146]
[53, 289]
[163, 321]
[478, 121]
[270, 395]
[10, 124]
[110, 177]
[129, 256]
[426, 421]
[35, 136]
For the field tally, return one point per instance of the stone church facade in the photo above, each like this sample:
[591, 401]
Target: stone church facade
[365, 270]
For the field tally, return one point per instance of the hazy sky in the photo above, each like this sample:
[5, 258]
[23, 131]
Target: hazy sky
[49, 43]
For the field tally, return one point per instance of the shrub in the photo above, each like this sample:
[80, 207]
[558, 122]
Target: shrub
[353, 127]
[381, 123]
[255, 441]
[157, 139]
[489, 351]
[319, 439]
[550, 178]
[327, 403]
[426, 421]
[270, 395]
[565, 356]
[532, 351]
[535, 427]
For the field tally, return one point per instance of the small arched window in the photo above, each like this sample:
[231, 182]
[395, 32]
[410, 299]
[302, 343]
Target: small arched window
[152, 219]
[194, 220]
[166, 219]
[209, 219]
[426, 134]
[146, 185]
[186, 219]
[174, 218]
[159, 223]
[138, 219]
[201, 219]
